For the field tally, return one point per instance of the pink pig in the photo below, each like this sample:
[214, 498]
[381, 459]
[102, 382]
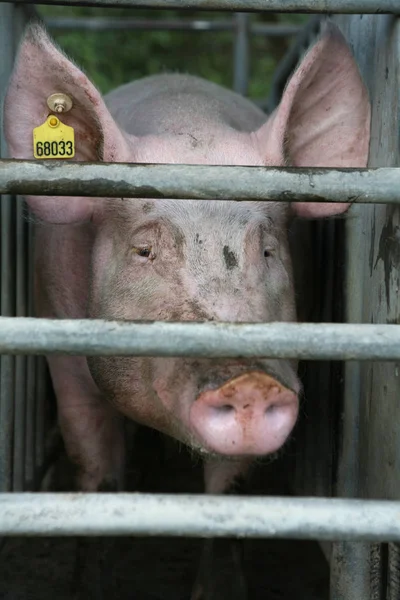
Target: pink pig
[114, 258]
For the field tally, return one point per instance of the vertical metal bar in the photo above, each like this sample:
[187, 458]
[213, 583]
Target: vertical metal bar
[393, 583]
[20, 361]
[30, 380]
[350, 560]
[40, 412]
[379, 571]
[24, 439]
[371, 39]
[7, 362]
[241, 54]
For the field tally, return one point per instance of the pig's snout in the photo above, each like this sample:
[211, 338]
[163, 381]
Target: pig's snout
[252, 414]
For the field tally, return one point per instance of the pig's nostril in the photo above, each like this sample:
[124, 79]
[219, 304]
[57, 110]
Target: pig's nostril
[271, 409]
[226, 408]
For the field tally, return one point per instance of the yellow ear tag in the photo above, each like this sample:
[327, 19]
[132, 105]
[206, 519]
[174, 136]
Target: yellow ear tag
[53, 139]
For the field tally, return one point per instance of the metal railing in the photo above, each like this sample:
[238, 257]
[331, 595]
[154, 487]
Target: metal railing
[282, 6]
[192, 25]
[207, 340]
[200, 182]
[198, 516]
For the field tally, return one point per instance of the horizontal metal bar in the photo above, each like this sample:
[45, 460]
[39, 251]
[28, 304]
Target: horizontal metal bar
[283, 6]
[200, 182]
[198, 516]
[123, 338]
[195, 25]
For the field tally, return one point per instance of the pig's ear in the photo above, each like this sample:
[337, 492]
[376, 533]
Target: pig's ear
[41, 70]
[323, 119]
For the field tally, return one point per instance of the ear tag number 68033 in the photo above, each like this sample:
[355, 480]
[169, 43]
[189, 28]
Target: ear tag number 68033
[53, 139]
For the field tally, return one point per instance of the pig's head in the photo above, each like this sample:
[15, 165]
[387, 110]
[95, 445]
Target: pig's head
[196, 260]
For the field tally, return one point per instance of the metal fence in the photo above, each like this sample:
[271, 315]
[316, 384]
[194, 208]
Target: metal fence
[205, 516]
[376, 42]
[285, 6]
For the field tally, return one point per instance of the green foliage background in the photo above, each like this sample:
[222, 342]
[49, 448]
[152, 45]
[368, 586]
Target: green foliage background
[111, 58]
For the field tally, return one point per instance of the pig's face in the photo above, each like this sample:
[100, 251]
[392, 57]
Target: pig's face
[197, 260]
[171, 260]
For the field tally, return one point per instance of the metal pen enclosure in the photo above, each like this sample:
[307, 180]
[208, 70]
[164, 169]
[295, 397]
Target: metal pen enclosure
[366, 450]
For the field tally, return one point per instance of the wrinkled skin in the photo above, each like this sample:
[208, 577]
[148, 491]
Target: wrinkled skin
[179, 260]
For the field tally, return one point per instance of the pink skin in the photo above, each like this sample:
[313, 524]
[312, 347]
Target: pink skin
[179, 260]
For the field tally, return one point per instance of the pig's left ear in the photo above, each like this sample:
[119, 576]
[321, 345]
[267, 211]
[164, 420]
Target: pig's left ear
[41, 70]
[323, 119]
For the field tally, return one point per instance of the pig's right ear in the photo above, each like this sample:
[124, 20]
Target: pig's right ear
[323, 119]
[41, 70]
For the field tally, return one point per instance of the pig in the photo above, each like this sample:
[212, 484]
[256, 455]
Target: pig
[179, 260]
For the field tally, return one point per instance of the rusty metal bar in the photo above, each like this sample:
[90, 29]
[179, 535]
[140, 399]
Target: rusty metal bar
[200, 182]
[194, 25]
[198, 516]
[283, 6]
[132, 338]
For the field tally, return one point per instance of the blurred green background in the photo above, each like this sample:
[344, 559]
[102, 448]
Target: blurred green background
[111, 58]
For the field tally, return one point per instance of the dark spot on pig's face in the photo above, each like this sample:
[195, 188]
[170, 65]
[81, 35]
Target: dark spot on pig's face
[230, 258]
[147, 207]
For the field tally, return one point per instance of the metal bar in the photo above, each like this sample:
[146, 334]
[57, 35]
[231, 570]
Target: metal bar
[350, 560]
[128, 338]
[198, 516]
[283, 6]
[241, 54]
[6, 363]
[194, 25]
[12, 21]
[200, 182]
[20, 362]
[29, 457]
[40, 404]
[7, 390]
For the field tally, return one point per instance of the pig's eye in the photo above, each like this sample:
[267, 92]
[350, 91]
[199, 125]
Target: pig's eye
[267, 253]
[144, 252]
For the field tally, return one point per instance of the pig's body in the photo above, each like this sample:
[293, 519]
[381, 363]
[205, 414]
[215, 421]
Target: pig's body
[179, 259]
[159, 104]
[225, 288]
